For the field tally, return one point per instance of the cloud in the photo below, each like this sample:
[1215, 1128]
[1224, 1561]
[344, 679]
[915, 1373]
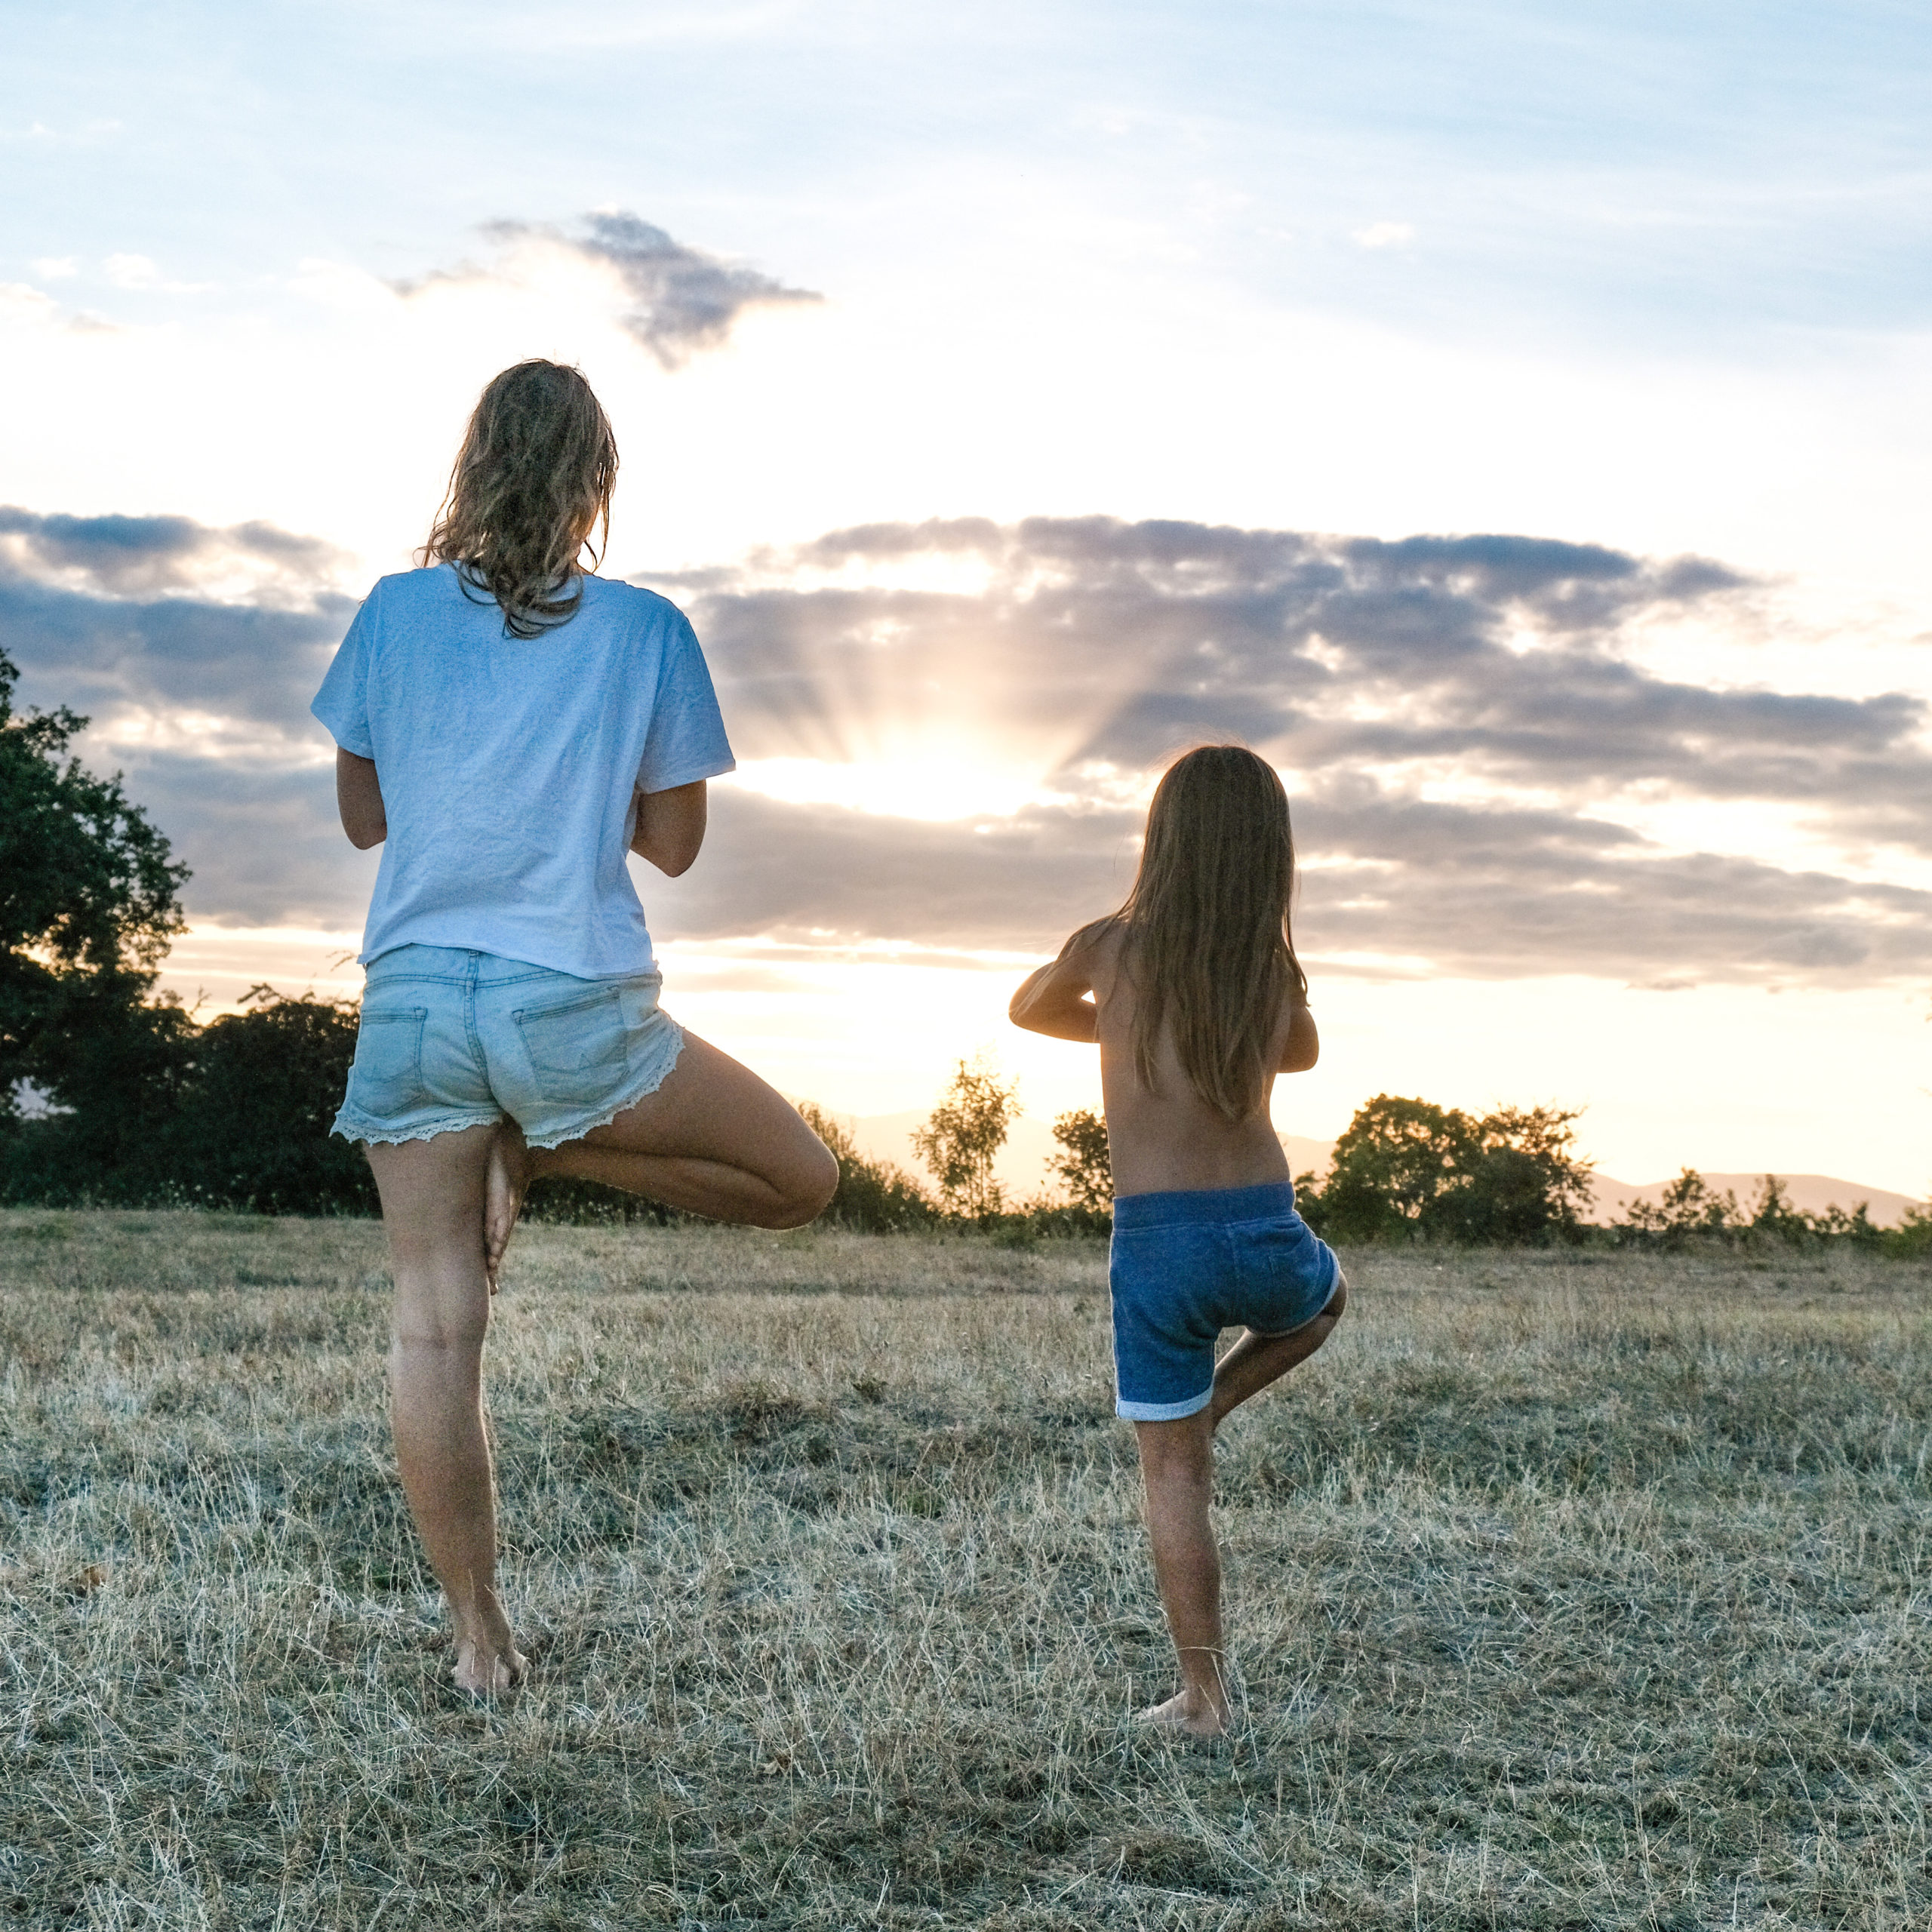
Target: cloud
[682, 299]
[1451, 890]
[1385, 235]
[1374, 672]
[1462, 720]
[142, 273]
[162, 630]
[124, 556]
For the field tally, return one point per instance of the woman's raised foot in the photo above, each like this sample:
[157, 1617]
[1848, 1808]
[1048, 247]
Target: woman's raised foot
[505, 1182]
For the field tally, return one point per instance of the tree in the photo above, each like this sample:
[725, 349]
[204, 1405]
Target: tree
[87, 906]
[963, 1133]
[257, 1100]
[1521, 1182]
[1408, 1170]
[1397, 1159]
[1082, 1165]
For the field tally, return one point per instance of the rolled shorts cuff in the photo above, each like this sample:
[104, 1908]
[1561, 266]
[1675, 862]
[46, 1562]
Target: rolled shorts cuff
[1163, 1411]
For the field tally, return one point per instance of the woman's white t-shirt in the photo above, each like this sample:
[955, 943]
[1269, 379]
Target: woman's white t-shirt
[510, 766]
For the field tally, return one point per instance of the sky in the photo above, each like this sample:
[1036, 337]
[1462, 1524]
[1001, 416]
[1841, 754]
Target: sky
[1513, 420]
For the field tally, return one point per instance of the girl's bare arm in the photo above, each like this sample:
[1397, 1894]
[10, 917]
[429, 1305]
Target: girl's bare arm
[1304, 1044]
[358, 798]
[670, 827]
[1054, 1001]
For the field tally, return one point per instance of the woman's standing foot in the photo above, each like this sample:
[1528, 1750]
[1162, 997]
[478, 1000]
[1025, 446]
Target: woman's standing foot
[488, 1661]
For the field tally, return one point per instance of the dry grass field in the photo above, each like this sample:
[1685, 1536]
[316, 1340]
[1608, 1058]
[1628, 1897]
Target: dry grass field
[1571, 1590]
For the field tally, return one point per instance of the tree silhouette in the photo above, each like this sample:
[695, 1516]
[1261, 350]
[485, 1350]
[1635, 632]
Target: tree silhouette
[1082, 1164]
[87, 906]
[963, 1133]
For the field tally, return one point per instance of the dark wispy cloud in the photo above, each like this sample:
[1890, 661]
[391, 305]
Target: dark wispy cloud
[1371, 671]
[111, 615]
[1091, 650]
[132, 556]
[194, 651]
[684, 299]
[1486, 892]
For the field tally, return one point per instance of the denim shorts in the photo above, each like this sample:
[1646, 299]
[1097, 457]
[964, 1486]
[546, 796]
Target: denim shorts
[452, 1039]
[1185, 1265]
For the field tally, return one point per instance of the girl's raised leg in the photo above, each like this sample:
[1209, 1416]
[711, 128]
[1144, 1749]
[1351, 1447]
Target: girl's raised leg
[714, 1140]
[1256, 1360]
[432, 1211]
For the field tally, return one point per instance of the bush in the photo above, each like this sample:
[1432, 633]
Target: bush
[872, 1197]
[1690, 1211]
[235, 1114]
[1912, 1240]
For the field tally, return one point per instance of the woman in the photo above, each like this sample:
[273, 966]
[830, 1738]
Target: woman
[508, 725]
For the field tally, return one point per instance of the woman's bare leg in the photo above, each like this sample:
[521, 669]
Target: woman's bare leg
[714, 1140]
[433, 1209]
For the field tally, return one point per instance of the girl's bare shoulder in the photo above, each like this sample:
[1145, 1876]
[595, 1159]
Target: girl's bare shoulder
[1095, 952]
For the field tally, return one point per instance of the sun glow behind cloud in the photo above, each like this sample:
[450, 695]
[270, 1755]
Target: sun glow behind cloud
[923, 779]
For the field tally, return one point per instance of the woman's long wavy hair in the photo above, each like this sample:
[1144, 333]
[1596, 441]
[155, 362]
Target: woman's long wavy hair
[1207, 944]
[534, 475]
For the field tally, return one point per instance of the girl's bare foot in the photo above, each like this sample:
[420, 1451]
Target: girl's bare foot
[1188, 1714]
[505, 1182]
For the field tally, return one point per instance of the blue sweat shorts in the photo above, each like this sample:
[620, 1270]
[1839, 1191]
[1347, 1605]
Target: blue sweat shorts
[452, 1039]
[1185, 1265]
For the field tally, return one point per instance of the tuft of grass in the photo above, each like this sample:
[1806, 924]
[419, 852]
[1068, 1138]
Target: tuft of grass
[1567, 1589]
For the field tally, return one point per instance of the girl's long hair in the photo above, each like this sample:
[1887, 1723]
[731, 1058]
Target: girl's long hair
[535, 472]
[1207, 944]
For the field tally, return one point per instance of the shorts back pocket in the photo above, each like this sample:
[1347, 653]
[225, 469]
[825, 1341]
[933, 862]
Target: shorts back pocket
[386, 1075]
[577, 1034]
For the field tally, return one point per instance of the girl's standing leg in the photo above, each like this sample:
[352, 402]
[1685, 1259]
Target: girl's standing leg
[433, 1193]
[1177, 1468]
[713, 1140]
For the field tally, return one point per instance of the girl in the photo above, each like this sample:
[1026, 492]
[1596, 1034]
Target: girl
[1195, 996]
[508, 725]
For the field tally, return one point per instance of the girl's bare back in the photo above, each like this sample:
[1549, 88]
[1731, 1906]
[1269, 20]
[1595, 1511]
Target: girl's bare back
[1165, 1139]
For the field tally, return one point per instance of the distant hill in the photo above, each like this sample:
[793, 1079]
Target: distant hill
[1022, 1168]
[1812, 1193]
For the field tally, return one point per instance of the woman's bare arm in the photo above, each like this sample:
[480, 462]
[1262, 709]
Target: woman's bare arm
[670, 827]
[358, 798]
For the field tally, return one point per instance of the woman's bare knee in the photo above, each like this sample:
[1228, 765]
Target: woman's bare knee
[806, 1188]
